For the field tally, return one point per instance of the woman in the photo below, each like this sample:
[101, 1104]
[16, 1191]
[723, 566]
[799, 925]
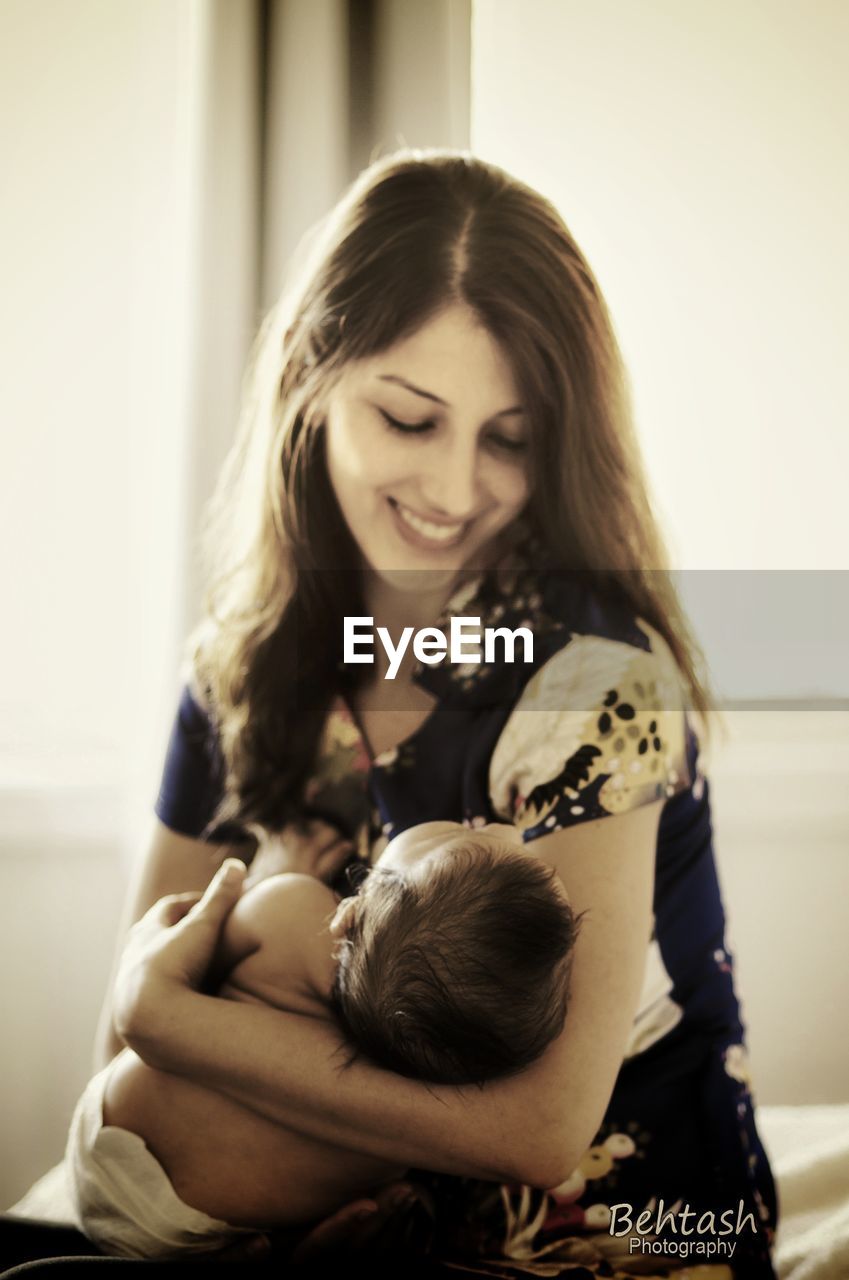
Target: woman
[439, 427]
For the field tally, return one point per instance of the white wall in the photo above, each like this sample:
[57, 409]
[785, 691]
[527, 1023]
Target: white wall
[91, 329]
[61, 886]
[125, 315]
[67, 264]
[781, 824]
[697, 154]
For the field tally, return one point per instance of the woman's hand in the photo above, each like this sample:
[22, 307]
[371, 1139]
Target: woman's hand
[313, 848]
[396, 1217]
[172, 946]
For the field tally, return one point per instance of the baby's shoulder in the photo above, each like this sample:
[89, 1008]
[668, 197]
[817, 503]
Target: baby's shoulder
[287, 917]
[289, 897]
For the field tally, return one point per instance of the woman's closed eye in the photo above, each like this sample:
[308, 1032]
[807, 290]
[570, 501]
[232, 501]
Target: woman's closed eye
[509, 444]
[408, 428]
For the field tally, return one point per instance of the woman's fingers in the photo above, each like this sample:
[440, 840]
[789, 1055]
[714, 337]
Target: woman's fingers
[220, 895]
[171, 909]
[245, 1249]
[335, 1231]
[173, 943]
[358, 1225]
[196, 935]
[213, 904]
[177, 936]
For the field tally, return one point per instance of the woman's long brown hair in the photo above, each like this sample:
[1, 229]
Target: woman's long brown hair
[416, 232]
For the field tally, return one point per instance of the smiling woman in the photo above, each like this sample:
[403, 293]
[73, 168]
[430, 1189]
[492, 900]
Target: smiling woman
[439, 427]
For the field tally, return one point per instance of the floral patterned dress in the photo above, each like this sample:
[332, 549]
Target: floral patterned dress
[594, 726]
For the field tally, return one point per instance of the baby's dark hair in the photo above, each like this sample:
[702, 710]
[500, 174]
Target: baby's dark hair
[458, 975]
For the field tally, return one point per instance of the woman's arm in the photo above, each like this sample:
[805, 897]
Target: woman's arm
[170, 863]
[531, 1128]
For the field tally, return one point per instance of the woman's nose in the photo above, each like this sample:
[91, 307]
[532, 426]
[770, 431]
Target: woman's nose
[453, 482]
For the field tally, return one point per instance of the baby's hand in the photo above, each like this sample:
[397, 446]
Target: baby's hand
[313, 848]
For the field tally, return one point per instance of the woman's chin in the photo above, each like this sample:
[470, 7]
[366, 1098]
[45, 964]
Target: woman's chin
[419, 582]
[433, 577]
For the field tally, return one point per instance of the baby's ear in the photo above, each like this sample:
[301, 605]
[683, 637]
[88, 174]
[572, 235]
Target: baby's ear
[342, 920]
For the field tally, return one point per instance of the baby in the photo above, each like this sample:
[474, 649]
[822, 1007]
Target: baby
[451, 965]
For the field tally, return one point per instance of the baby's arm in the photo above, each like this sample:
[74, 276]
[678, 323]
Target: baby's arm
[276, 948]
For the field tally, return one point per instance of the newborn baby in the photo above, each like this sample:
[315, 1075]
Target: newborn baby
[451, 965]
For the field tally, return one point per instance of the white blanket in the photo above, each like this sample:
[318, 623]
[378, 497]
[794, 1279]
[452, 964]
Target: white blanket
[809, 1152]
[48, 1200]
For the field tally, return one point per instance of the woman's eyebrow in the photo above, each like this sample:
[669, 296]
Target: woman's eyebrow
[428, 395]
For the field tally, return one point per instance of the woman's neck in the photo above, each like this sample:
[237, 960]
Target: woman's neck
[395, 609]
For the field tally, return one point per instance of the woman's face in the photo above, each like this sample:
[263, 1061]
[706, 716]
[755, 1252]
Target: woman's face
[426, 451]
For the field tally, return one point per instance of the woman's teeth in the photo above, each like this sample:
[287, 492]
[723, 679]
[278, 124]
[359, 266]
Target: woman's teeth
[435, 532]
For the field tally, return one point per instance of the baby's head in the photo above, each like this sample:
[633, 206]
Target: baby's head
[454, 958]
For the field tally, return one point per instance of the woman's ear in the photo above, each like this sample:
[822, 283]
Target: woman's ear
[342, 920]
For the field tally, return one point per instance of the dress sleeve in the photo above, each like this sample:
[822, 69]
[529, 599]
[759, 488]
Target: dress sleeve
[599, 729]
[192, 777]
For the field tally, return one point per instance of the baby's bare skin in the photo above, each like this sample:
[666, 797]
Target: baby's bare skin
[277, 950]
[221, 1157]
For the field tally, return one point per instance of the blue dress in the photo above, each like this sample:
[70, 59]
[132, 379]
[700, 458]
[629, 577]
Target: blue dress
[594, 726]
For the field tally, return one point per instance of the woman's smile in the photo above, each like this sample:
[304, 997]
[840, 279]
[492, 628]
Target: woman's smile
[428, 531]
